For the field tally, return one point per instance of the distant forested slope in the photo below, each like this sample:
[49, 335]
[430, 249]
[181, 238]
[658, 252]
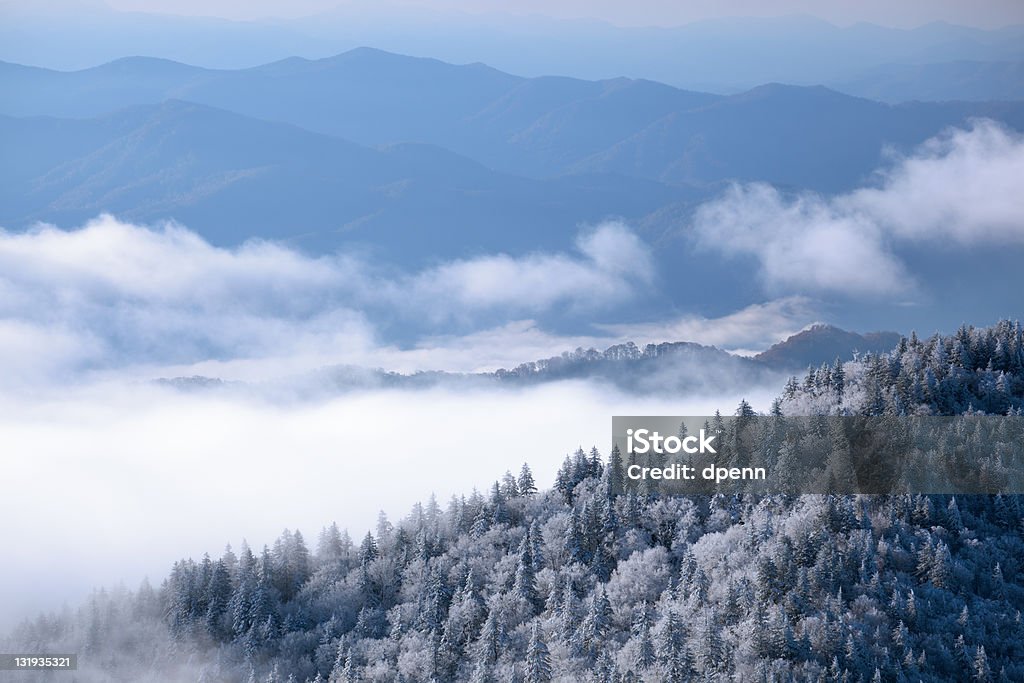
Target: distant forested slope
[642, 369]
[576, 583]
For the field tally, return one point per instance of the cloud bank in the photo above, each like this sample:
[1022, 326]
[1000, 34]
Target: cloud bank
[611, 265]
[153, 475]
[753, 328]
[113, 295]
[964, 189]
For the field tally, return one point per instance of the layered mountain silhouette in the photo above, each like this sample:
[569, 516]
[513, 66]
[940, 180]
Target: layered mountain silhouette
[538, 127]
[727, 54]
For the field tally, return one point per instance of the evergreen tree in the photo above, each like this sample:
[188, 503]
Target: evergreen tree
[644, 657]
[218, 598]
[615, 471]
[526, 484]
[525, 585]
[982, 673]
[675, 658]
[491, 643]
[597, 622]
[569, 624]
[538, 660]
[838, 380]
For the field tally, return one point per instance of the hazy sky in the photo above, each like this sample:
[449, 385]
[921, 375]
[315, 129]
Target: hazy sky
[899, 13]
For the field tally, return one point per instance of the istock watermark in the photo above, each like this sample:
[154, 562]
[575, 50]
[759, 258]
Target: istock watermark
[822, 454]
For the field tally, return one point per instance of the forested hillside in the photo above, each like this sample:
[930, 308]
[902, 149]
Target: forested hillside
[575, 583]
[641, 369]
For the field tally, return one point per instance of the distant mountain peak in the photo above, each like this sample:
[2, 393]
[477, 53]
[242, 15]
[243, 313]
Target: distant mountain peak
[140, 65]
[823, 343]
[789, 90]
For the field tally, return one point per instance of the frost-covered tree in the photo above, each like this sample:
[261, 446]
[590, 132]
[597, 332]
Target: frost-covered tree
[538, 659]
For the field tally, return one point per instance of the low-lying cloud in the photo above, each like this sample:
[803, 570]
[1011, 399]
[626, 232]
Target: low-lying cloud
[753, 328]
[610, 265]
[115, 483]
[963, 188]
[112, 295]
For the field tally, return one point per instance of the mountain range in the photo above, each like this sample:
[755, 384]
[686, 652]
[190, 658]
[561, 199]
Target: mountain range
[538, 127]
[724, 55]
[416, 156]
[232, 178]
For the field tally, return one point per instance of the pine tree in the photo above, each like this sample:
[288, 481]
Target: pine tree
[709, 651]
[644, 657]
[602, 563]
[615, 471]
[569, 624]
[573, 541]
[491, 642]
[744, 409]
[962, 657]
[218, 597]
[564, 482]
[597, 621]
[982, 673]
[499, 512]
[838, 380]
[445, 656]
[536, 545]
[525, 585]
[998, 583]
[538, 659]
[526, 484]
[939, 573]
[761, 640]
[240, 604]
[675, 658]
[595, 467]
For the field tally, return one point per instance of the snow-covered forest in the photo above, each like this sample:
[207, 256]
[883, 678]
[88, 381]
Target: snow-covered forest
[578, 583]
